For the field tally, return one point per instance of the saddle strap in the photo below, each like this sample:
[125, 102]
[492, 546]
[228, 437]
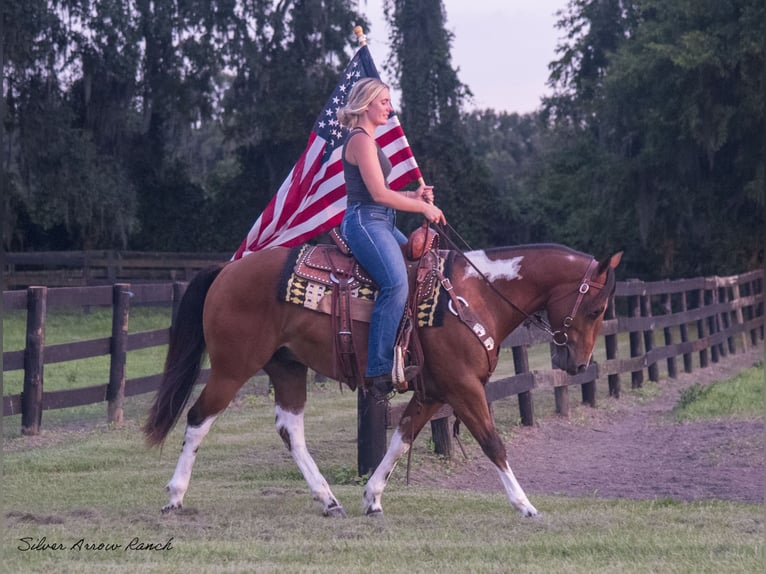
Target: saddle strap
[408, 349]
[460, 308]
[346, 366]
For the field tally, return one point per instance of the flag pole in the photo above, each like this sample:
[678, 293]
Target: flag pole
[362, 38]
[359, 31]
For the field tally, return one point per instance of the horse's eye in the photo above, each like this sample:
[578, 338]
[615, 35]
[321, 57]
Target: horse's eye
[595, 314]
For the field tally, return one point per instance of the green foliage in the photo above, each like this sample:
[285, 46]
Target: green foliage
[669, 97]
[128, 122]
[170, 125]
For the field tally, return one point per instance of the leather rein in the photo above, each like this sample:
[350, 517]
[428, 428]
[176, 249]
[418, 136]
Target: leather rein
[559, 336]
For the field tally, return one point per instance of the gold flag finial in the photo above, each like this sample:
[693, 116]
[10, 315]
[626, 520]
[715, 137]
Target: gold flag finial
[359, 31]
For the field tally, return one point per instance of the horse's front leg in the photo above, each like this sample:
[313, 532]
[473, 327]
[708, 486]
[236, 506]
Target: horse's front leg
[414, 418]
[290, 428]
[471, 408]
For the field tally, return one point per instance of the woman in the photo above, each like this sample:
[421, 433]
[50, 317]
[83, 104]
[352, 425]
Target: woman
[369, 224]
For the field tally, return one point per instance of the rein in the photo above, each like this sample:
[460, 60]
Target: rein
[559, 336]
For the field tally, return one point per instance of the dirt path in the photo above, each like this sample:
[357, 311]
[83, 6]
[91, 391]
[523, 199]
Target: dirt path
[631, 448]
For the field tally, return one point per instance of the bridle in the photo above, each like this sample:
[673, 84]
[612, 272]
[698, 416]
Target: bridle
[559, 337]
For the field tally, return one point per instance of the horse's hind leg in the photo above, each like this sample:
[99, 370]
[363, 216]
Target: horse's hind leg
[215, 397]
[413, 419]
[289, 379]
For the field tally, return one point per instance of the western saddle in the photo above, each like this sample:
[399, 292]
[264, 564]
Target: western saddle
[334, 266]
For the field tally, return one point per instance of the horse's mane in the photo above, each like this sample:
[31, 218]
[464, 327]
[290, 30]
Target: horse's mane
[538, 247]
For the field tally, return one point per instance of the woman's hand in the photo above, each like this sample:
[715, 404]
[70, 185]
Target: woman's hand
[425, 193]
[433, 214]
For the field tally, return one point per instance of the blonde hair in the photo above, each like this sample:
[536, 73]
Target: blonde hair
[362, 95]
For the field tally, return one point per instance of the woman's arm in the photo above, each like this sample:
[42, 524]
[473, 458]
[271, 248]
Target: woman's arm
[361, 151]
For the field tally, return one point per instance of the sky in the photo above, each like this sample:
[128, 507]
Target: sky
[501, 48]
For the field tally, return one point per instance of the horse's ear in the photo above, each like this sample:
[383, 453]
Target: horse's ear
[607, 262]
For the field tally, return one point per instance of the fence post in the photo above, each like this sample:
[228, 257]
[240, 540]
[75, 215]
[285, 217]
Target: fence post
[526, 406]
[115, 390]
[726, 316]
[739, 318]
[560, 391]
[634, 310]
[561, 398]
[714, 326]
[752, 310]
[610, 343]
[32, 396]
[684, 329]
[371, 432]
[701, 329]
[652, 368]
[667, 305]
[440, 433]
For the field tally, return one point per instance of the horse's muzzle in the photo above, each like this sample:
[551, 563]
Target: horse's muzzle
[565, 360]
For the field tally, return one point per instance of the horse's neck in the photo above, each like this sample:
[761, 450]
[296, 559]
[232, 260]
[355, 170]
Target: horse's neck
[525, 276]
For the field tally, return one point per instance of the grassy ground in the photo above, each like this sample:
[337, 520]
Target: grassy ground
[740, 396]
[84, 497]
[248, 510]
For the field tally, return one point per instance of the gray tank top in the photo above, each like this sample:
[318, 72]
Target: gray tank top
[356, 190]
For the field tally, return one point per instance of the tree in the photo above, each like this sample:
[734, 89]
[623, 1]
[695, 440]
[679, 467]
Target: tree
[61, 188]
[289, 62]
[158, 124]
[431, 109]
[510, 146]
[674, 118]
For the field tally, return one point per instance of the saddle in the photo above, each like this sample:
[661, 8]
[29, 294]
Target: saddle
[331, 264]
[334, 267]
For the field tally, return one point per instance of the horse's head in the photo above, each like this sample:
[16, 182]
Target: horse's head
[576, 315]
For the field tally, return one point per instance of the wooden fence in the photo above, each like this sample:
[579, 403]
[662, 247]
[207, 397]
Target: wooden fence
[670, 321]
[80, 268]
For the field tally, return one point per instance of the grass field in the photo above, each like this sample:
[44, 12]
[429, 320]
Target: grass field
[743, 395]
[85, 497]
[248, 510]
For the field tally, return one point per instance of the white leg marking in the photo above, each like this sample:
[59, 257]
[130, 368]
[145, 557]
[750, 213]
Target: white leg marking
[374, 489]
[181, 477]
[515, 494]
[290, 428]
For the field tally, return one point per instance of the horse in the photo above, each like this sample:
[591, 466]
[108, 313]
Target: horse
[231, 312]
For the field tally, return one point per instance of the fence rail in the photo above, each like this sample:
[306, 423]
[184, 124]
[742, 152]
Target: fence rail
[707, 317]
[82, 268]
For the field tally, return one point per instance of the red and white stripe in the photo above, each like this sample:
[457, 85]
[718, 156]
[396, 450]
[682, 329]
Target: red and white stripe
[312, 199]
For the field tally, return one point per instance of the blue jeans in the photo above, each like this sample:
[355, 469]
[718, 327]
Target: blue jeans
[371, 232]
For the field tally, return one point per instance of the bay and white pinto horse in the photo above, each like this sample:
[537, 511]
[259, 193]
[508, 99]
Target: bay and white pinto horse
[231, 312]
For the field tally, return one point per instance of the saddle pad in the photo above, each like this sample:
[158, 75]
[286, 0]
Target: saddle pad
[317, 296]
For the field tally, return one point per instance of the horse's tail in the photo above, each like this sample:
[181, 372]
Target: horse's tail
[186, 350]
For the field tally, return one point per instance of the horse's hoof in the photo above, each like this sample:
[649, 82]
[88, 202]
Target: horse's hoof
[168, 508]
[531, 513]
[335, 512]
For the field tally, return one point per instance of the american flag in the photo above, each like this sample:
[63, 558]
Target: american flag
[313, 197]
